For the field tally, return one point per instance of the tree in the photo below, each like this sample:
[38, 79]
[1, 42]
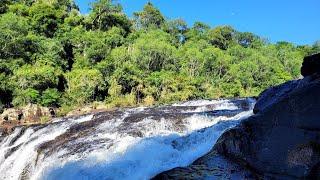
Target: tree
[51, 52]
[128, 77]
[247, 39]
[153, 51]
[216, 63]
[149, 17]
[197, 32]
[105, 14]
[117, 58]
[13, 36]
[192, 60]
[316, 47]
[67, 5]
[39, 77]
[46, 18]
[221, 36]
[83, 85]
[91, 47]
[176, 28]
[289, 57]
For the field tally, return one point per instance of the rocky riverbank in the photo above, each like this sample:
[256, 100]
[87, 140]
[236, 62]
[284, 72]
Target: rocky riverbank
[28, 115]
[282, 139]
[33, 114]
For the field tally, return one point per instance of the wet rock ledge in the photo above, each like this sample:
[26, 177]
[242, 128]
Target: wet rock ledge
[281, 141]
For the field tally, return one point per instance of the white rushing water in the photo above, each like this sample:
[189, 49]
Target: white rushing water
[132, 144]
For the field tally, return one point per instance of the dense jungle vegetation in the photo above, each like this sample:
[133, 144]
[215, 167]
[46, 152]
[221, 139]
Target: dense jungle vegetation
[52, 55]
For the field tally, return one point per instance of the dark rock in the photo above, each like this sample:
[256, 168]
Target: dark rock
[269, 96]
[52, 112]
[283, 138]
[274, 94]
[210, 166]
[311, 65]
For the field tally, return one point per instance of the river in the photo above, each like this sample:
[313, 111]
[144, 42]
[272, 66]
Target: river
[132, 143]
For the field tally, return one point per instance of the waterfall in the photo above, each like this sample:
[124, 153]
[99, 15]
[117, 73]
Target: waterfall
[132, 143]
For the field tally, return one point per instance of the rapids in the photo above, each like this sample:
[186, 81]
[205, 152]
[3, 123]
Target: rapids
[133, 143]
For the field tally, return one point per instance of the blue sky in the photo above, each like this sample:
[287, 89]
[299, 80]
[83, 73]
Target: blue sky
[295, 21]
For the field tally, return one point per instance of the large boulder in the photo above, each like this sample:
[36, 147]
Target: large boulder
[210, 166]
[29, 114]
[283, 138]
[311, 65]
[274, 94]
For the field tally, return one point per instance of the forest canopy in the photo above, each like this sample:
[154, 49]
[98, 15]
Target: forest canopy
[52, 55]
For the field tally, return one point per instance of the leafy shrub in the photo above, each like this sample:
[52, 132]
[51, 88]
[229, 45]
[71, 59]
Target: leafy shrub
[50, 97]
[26, 96]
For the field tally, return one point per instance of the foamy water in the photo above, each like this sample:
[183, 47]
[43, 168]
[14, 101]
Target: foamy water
[132, 144]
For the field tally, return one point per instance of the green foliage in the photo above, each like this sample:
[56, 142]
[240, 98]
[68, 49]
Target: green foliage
[176, 28]
[5, 90]
[105, 15]
[50, 97]
[4, 6]
[316, 47]
[44, 119]
[197, 32]
[52, 55]
[83, 85]
[13, 36]
[46, 18]
[247, 39]
[149, 17]
[23, 97]
[39, 77]
[222, 36]
[153, 51]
